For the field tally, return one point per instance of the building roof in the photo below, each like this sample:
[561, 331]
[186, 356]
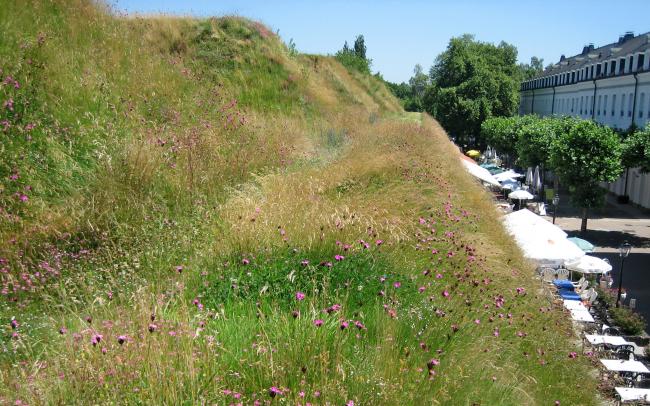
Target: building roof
[626, 45]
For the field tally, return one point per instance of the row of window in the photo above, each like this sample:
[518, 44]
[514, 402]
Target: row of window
[605, 106]
[633, 63]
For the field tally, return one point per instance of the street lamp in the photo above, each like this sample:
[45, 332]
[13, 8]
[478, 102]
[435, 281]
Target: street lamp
[556, 201]
[623, 252]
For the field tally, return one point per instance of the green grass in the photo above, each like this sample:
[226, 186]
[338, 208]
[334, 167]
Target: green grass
[169, 150]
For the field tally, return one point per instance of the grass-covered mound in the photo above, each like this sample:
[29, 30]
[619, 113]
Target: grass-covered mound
[192, 214]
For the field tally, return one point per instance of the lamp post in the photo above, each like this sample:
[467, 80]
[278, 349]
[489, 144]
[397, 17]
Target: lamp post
[623, 252]
[556, 201]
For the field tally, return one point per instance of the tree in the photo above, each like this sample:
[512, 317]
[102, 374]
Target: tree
[503, 133]
[355, 58]
[473, 81]
[535, 137]
[412, 94]
[418, 82]
[532, 69]
[636, 150]
[583, 156]
[360, 47]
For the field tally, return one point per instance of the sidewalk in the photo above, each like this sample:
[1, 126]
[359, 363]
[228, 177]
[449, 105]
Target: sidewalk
[607, 227]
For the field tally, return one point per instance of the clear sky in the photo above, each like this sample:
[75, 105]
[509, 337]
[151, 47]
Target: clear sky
[400, 34]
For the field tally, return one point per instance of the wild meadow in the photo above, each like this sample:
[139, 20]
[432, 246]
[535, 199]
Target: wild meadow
[191, 213]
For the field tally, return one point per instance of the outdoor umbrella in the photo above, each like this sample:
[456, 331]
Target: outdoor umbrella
[510, 184]
[550, 251]
[537, 180]
[507, 175]
[584, 245]
[524, 223]
[520, 195]
[529, 176]
[479, 172]
[588, 264]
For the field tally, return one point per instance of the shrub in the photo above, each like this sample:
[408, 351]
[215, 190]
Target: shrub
[629, 322]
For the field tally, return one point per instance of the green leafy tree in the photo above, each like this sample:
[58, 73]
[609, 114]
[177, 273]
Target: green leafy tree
[582, 156]
[473, 81]
[532, 69]
[418, 82]
[503, 133]
[355, 58]
[412, 93]
[636, 150]
[360, 47]
[535, 137]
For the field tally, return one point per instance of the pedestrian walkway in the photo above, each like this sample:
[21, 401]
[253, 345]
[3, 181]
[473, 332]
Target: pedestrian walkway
[607, 229]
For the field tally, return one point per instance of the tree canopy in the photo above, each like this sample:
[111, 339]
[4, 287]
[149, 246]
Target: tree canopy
[636, 150]
[583, 155]
[473, 81]
[355, 58]
[535, 138]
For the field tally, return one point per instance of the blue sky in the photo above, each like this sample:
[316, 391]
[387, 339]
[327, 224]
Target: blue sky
[400, 34]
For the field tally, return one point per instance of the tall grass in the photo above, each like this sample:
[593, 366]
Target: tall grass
[192, 180]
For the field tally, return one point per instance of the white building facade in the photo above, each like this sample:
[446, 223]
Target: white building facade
[610, 85]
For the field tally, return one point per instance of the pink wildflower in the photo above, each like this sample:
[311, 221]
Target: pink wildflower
[273, 391]
[300, 296]
[95, 339]
[318, 322]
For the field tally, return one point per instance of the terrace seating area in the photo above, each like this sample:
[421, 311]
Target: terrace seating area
[622, 362]
[573, 280]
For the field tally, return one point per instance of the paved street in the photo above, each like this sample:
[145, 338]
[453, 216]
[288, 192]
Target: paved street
[608, 228]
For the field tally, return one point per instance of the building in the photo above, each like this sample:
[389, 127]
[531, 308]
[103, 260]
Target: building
[609, 84]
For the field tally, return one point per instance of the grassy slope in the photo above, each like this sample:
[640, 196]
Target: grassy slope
[203, 144]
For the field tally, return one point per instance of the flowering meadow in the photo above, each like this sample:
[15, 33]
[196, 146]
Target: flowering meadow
[192, 214]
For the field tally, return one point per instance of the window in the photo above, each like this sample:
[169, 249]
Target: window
[591, 74]
[630, 105]
[630, 63]
[573, 102]
[621, 66]
[612, 68]
[613, 105]
[600, 99]
[598, 67]
[639, 61]
[622, 104]
[581, 101]
[573, 77]
[591, 105]
[641, 105]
